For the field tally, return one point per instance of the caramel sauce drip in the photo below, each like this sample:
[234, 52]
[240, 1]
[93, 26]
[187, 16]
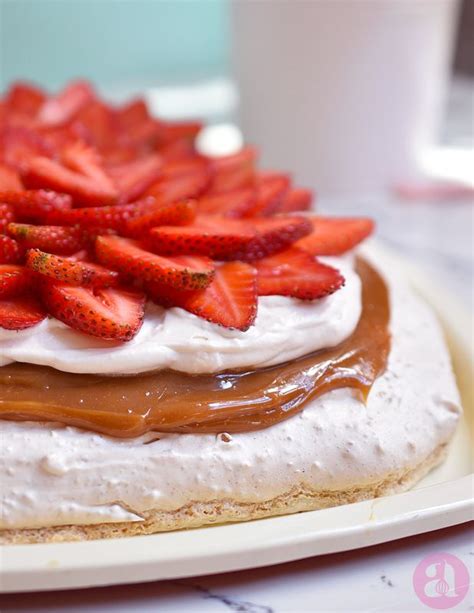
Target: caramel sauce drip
[169, 401]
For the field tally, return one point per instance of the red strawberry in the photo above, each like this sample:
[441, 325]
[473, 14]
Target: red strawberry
[216, 237]
[277, 233]
[134, 178]
[60, 109]
[233, 171]
[14, 280]
[54, 239]
[178, 150]
[24, 98]
[7, 215]
[333, 236]
[230, 300]
[109, 313]
[169, 213]
[36, 205]
[133, 113]
[179, 130]
[129, 257]
[298, 199]
[44, 173]
[186, 166]
[70, 271]
[112, 217]
[271, 190]
[9, 178]
[236, 203]
[85, 160]
[100, 125]
[10, 251]
[20, 144]
[191, 185]
[20, 313]
[296, 273]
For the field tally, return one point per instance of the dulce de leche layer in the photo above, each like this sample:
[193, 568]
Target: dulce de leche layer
[169, 401]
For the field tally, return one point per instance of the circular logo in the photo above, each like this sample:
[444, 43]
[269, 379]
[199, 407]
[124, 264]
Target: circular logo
[441, 580]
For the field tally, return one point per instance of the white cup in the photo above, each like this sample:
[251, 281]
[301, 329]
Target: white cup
[345, 93]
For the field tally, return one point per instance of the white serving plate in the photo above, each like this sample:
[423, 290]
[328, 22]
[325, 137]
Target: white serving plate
[443, 498]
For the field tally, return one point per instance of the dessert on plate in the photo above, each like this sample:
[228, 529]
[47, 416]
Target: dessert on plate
[184, 342]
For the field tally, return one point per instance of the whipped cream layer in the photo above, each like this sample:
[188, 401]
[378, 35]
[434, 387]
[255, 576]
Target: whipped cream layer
[53, 475]
[285, 328]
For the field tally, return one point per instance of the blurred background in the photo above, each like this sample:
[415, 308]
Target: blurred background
[369, 102]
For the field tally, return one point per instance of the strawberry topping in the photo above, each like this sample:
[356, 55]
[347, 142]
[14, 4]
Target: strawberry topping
[131, 258]
[230, 300]
[100, 202]
[295, 273]
[333, 236]
[70, 270]
[14, 280]
[54, 239]
[110, 313]
[20, 312]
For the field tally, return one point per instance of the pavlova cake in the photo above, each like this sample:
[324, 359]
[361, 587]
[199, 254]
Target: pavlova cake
[183, 342]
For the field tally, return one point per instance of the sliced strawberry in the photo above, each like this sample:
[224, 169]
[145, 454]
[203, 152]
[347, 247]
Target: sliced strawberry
[20, 313]
[105, 217]
[179, 130]
[14, 280]
[177, 168]
[333, 236]
[60, 109]
[233, 171]
[10, 251]
[7, 215]
[109, 313]
[24, 98]
[44, 173]
[298, 199]
[20, 144]
[158, 214]
[134, 178]
[131, 258]
[230, 300]
[71, 271]
[191, 185]
[9, 178]
[237, 203]
[100, 124]
[296, 273]
[178, 150]
[36, 205]
[86, 160]
[213, 236]
[276, 233]
[271, 190]
[133, 113]
[54, 239]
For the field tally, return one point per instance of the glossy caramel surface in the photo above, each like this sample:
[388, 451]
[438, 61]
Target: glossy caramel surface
[226, 402]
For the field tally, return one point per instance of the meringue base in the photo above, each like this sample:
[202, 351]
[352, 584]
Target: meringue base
[195, 515]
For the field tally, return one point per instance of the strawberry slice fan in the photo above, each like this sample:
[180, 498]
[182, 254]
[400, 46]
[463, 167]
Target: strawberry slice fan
[103, 208]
